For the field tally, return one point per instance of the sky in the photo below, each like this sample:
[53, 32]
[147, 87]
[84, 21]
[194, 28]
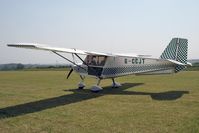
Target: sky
[112, 26]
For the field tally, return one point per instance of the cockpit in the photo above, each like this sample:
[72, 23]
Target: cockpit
[95, 60]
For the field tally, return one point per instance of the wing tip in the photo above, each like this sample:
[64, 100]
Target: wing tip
[20, 45]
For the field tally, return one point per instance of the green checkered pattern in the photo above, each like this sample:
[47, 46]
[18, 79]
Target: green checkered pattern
[176, 50]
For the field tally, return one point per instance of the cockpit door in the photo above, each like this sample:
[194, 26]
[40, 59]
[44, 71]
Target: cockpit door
[96, 71]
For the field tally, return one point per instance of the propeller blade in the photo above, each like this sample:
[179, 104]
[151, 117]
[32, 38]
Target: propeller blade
[71, 70]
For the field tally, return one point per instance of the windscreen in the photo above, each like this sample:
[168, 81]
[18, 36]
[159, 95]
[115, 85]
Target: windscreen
[95, 60]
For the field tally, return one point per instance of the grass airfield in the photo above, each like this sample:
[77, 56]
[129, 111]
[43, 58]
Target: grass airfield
[44, 101]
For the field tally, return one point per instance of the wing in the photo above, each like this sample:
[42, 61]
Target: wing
[67, 50]
[45, 47]
[131, 55]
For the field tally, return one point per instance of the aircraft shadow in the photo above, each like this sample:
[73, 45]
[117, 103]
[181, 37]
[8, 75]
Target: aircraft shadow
[81, 95]
[168, 95]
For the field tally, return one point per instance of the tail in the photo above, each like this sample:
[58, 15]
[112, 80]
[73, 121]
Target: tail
[176, 52]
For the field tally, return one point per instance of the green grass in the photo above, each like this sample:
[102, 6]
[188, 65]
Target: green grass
[44, 101]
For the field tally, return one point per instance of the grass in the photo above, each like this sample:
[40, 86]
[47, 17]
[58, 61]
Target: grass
[44, 101]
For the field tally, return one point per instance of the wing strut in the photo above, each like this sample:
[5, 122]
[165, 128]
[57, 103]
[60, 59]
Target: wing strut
[75, 63]
[81, 59]
[68, 60]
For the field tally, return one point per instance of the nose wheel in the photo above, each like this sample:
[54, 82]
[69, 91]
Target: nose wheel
[81, 84]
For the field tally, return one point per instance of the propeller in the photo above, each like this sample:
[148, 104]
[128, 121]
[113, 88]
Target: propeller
[71, 70]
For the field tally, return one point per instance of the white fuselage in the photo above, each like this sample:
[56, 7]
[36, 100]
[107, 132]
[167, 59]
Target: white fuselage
[121, 66]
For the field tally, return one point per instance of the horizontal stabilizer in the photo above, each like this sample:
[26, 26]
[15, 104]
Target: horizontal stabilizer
[189, 64]
[176, 62]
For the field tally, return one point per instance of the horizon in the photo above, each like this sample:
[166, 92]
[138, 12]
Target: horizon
[68, 63]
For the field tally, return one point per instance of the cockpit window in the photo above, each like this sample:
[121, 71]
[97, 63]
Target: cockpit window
[95, 60]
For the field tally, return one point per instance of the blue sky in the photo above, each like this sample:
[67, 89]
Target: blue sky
[121, 26]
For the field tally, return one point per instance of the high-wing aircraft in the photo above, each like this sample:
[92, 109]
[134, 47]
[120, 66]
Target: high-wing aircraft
[105, 65]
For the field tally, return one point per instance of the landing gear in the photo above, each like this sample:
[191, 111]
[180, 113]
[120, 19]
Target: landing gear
[96, 88]
[81, 84]
[115, 84]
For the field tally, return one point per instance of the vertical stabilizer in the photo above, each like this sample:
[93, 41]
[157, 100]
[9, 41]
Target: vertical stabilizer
[177, 50]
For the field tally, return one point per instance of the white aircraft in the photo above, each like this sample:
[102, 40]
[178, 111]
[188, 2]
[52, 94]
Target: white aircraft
[104, 65]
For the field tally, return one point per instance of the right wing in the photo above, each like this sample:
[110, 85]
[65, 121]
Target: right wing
[68, 50]
[47, 48]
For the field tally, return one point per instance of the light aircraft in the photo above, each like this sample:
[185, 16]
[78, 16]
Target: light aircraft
[105, 65]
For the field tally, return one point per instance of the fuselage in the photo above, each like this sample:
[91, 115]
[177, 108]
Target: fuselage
[110, 67]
